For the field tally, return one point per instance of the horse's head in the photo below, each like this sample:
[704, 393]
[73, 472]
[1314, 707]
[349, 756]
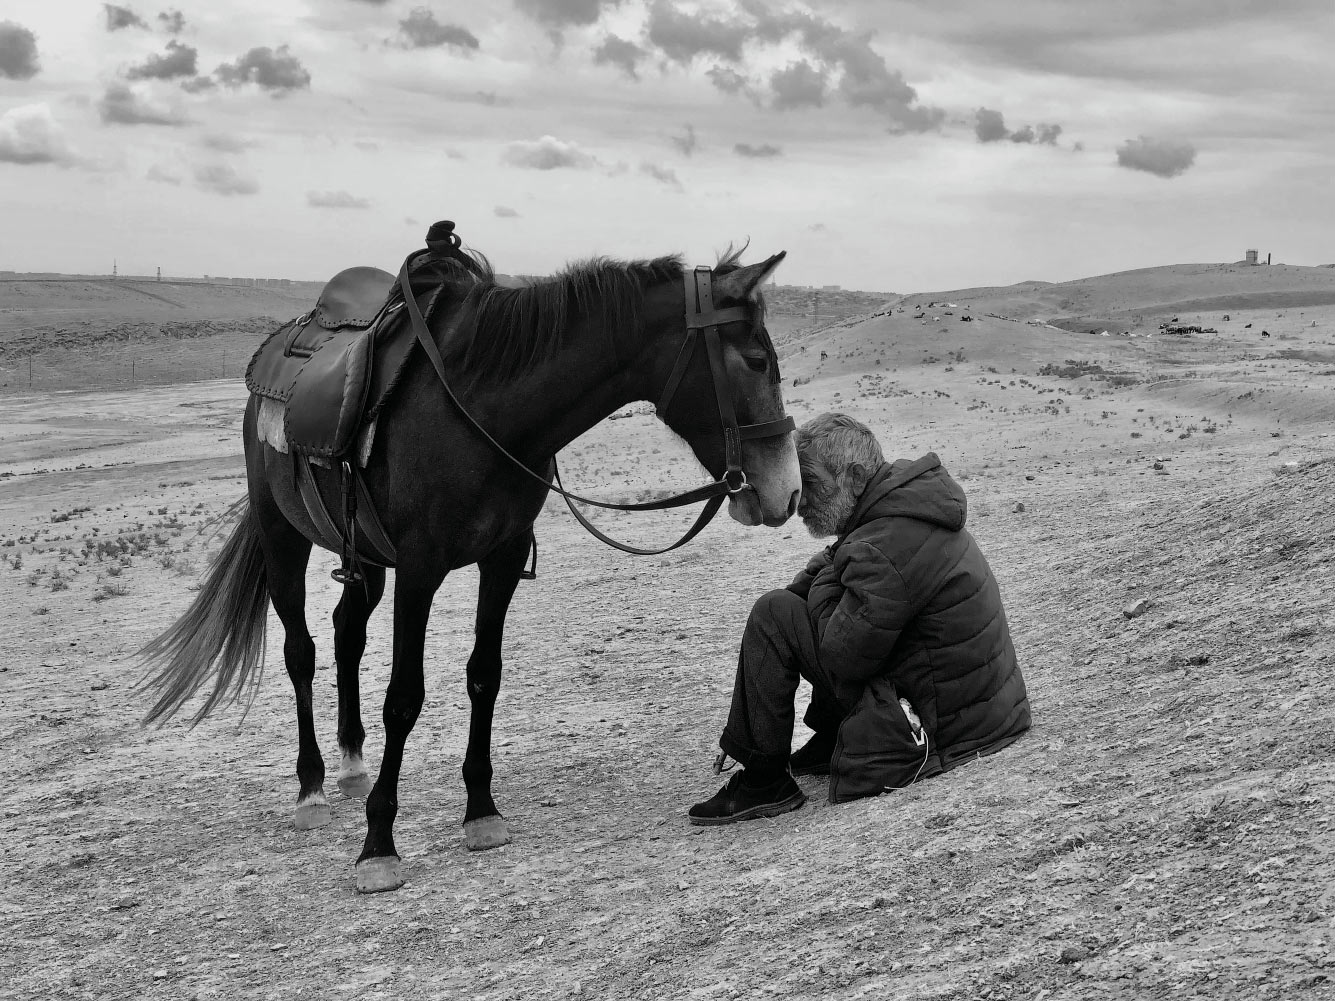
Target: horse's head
[705, 376]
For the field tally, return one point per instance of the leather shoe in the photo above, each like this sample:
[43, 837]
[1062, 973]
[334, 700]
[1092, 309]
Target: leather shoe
[813, 757]
[739, 801]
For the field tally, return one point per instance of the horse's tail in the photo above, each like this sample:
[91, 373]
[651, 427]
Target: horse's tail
[221, 634]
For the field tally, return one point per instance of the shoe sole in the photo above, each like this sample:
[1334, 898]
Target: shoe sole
[755, 813]
[801, 770]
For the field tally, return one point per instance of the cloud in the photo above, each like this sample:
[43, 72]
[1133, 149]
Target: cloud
[120, 105]
[764, 151]
[224, 179]
[335, 200]
[162, 175]
[547, 153]
[504, 212]
[18, 52]
[664, 175]
[557, 15]
[989, 126]
[421, 30]
[122, 17]
[455, 154]
[728, 80]
[223, 143]
[798, 85]
[173, 21]
[366, 145]
[816, 227]
[277, 71]
[687, 144]
[199, 84]
[616, 51]
[29, 134]
[682, 36]
[178, 60]
[1162, 157]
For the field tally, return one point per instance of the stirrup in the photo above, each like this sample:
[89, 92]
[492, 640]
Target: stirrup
[347, 575]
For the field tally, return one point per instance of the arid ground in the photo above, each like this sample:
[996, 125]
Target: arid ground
[1165, 830]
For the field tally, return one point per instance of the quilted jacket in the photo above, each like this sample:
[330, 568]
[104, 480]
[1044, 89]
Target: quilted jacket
[906, 607]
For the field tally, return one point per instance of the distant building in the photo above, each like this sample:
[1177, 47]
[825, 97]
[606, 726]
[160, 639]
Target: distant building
[1251, 257]
[831, 288]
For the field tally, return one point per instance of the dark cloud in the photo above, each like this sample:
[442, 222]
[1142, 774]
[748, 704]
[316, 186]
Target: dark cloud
[18, 52]
[224, 179]
[277, 71]
[797, 86]
[30, 135]
[178, 60]
[616, 51]
[199, 84]
[1048, 134]
[122, 17]
[557, 15]
[335, 200]
[421, 30]
[664, 175]
[504, 212]
[989, 126]
[1162, 157]
[173, 21]
[120, 105]
[682, 36]
[686, 144]
[764, 151]
[728, 80]
[1024, 134]
[547, 153]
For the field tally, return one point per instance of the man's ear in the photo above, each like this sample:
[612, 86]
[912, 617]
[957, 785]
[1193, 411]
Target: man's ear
[858, 476]
[741, 283]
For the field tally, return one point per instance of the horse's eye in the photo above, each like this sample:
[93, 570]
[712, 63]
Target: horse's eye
[757, 363]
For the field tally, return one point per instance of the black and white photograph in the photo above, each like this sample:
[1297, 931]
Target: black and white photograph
[638, 500]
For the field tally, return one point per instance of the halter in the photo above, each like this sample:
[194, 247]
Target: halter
[700, 316]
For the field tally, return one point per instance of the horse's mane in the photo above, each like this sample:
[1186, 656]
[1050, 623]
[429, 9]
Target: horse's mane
[516, 329]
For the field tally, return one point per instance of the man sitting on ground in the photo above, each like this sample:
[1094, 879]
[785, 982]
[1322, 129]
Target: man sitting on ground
[898, 626]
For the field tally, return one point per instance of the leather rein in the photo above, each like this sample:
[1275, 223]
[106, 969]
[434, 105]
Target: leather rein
[702, 323]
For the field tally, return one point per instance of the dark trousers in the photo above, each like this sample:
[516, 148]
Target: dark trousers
[779, 648]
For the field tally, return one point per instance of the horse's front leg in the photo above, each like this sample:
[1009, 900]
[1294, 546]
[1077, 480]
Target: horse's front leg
[483, 825]
[378, 866]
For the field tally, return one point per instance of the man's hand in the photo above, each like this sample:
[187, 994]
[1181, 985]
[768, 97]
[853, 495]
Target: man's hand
[801, 585]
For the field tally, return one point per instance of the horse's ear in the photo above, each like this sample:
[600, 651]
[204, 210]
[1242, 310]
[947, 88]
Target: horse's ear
[742, 283]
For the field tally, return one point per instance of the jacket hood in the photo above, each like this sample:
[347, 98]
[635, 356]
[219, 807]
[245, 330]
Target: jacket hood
[919, 488]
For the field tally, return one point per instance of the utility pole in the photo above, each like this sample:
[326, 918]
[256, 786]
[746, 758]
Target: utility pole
[815, 307]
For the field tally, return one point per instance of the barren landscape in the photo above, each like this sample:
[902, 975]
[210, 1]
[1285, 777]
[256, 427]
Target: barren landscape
[1155, 506]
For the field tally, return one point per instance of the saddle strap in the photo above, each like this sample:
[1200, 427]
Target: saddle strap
[375, 541]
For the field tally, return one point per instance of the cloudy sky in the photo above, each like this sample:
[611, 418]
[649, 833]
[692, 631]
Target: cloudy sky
[889, 145]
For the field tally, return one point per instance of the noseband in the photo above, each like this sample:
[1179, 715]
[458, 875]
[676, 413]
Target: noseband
[701, 317]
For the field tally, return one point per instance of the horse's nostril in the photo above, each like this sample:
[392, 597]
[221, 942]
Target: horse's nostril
[792, 502]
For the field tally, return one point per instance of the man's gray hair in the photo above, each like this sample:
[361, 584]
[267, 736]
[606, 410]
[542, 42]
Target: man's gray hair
[839, 441]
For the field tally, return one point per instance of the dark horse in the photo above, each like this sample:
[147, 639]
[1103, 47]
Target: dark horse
[536, 367]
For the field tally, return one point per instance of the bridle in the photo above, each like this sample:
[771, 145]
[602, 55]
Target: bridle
[702, 323]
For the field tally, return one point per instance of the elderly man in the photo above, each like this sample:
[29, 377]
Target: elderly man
[898, 626]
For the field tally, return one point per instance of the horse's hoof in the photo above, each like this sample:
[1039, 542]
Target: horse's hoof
[379, 875]
[312, 813]
[356, 786]
[486, 832]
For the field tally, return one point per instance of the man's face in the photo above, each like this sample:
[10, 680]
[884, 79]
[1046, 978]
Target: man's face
[827, 500]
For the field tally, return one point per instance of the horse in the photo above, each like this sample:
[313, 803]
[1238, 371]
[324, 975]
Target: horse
[533, 368]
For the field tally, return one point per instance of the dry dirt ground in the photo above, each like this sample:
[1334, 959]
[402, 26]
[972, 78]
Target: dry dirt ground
[1164, 831]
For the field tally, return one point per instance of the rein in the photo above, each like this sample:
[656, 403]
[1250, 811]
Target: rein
[701, 316]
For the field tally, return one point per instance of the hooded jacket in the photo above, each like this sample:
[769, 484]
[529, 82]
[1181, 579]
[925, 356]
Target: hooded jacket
[906, 607]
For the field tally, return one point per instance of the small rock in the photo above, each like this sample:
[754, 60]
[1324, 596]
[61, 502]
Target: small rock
[159, 974]
[1018, 508]
[1137, 608]
[1074, 954]
[1157, 465]
[1029, 477]
[100, 686]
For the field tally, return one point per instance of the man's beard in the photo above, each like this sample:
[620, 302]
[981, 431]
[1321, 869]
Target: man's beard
[831, 517]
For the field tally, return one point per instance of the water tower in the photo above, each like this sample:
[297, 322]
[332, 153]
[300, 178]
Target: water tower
[1251, 257]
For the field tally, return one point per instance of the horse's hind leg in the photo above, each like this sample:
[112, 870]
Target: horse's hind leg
[286, 553]
[354, 608]
[483, 825]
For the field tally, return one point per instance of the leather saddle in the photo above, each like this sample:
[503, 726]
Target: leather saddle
[334, 367]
